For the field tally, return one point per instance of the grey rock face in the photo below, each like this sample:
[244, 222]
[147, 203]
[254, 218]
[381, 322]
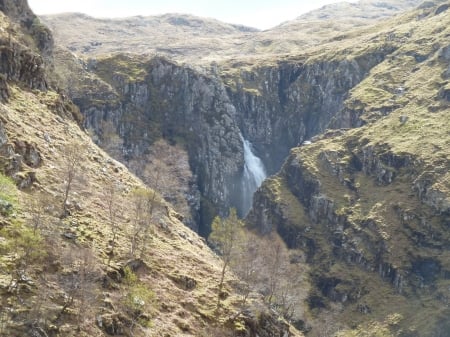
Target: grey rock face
[182, 106]
[426, 190]
[3, 136]
[295, 101]
[19, 64]
[276, 107]
[4, 89]
[29, 152]
[314, 220]
[17, 159]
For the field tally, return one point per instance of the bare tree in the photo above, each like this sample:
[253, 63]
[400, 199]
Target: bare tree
[165, 169]
[226, 234]
[263, 263]
[38, 207]
[278, 276]
[110, 140]
[37, 317]
[274, 264]
[71, 169]
[79, 282]
[88, 274]
[145, 203]
[285, 301]
[245, 263]
[114, 208]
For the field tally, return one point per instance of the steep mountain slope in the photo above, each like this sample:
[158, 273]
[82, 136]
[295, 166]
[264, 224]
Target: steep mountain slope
[198, 40]
[82, 251]
[371, 206]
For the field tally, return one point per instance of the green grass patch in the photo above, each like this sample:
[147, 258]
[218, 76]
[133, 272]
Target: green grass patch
[130, 68]
[8, 196]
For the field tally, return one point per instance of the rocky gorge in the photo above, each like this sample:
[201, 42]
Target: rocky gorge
[352, 131]
[275, 107]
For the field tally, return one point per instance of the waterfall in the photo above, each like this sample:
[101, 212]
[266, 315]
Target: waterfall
[254, 174]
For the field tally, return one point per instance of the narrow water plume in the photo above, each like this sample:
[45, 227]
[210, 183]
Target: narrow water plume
[254, 174]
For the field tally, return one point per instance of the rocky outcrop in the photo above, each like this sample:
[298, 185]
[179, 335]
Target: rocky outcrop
[20, 12]
[265, 324]
[4, 89]
[17, 10]
[18, 159]
[183, 106]
[276, 107]
[21, 62]
[22, 65]
[279, 107]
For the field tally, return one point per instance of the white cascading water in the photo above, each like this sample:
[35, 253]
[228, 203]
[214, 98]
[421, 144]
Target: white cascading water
[254, 174]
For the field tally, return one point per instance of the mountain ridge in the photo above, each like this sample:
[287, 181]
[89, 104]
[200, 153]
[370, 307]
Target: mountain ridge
[185, 45]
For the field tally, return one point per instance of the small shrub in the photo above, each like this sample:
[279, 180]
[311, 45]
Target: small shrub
[138, 300]
[8, 196]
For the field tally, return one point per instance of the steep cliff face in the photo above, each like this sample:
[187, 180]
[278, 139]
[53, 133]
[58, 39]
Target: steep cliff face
[19, 63]
[156, 98]
[280, 106]
[370, 206]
